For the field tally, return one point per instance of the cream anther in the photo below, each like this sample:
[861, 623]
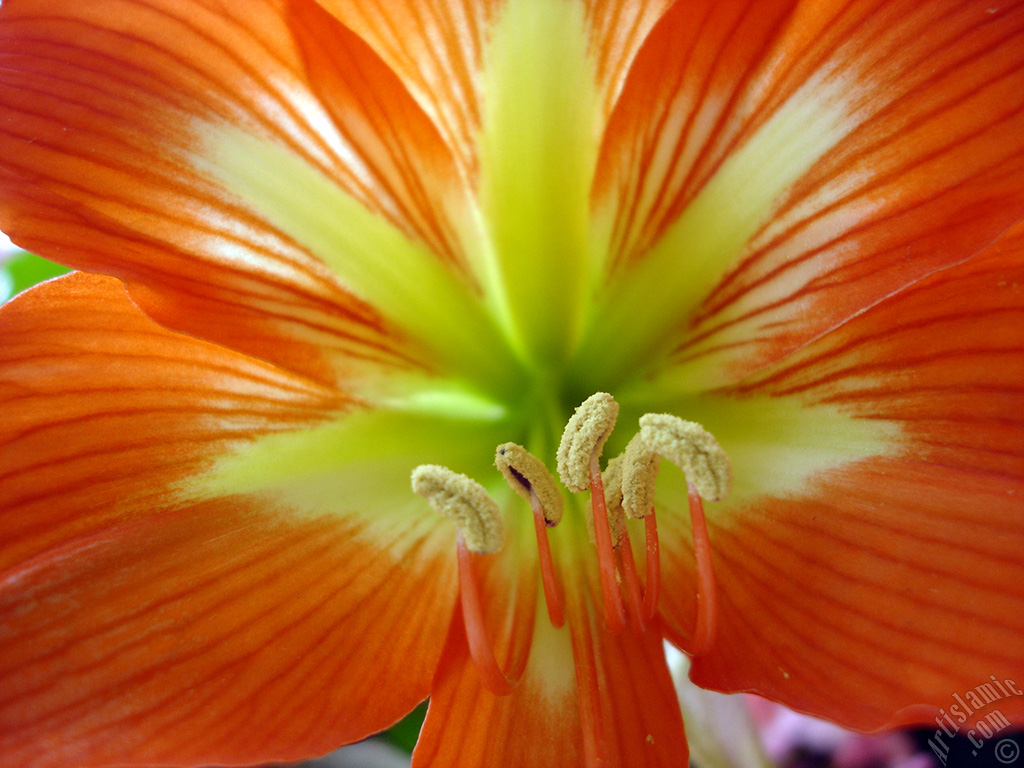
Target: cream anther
[583, 439]
[527, 475]
[639, 476]
[463, 501]
[692, 448]
[612, 479]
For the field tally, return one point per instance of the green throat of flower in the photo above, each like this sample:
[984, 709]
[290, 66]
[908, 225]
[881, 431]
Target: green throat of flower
[537, 303]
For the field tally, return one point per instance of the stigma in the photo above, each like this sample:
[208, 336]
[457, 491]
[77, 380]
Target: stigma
[621, 496]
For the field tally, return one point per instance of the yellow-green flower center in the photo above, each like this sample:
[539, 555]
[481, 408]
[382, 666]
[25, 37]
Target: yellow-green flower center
[542, 313]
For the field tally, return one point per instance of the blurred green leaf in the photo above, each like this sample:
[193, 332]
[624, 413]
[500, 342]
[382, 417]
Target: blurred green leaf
[406, 731]
[24, 270]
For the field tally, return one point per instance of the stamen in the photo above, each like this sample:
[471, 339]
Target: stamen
[652, 586]
[614, 615]
[578, 455]
[528, 476]
[612, 479]
[530, 479]
[588, 690]
[639, 477]
[476, 633]
[463, 501]
[707, 603]
[691, 448]
[708, 476]
[478, 520]
[632, 581]
[548, 577]
[584, 437]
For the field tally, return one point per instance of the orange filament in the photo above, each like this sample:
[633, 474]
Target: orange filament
[587, 689]
[590, 716]
[472, 615]
[707, 611]
[614, 615]
[552, 592]
[653, 584]
[632, 582]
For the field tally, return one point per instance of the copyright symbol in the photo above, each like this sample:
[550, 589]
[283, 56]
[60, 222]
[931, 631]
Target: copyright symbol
[1007, 751]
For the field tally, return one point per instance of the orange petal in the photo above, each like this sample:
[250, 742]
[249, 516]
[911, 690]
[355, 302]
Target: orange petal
[889, 585]
[109, 166]
[631, 706]
[143, 626]
[802, 165]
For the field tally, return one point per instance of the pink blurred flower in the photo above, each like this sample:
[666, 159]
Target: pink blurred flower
[785, 734]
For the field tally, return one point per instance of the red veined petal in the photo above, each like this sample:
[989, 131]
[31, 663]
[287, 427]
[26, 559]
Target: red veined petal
[635, 719]
[804, 165]
[400, 148]
[673, 120]
[618, 30]
[111, 164]
[887, 586]
[219, 635]
[439, 49]
[140, 623]
[102, 404]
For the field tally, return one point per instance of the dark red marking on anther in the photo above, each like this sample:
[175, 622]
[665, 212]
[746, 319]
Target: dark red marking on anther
[614, 614]
[653, 584]
[707, 606]
[476, 634]
[552, 591]
[632, 582]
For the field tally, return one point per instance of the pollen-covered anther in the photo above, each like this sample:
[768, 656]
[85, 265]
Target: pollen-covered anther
[612, 479]
[579, 467]
[584, 437]
[639, 468]
[708, 476]
[527, 475]
[530, 479]
[635, 471]
[478, 519]
[463, 501]
[693, 449]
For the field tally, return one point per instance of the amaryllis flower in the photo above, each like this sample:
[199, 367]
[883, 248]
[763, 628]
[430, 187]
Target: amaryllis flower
[325, 244]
